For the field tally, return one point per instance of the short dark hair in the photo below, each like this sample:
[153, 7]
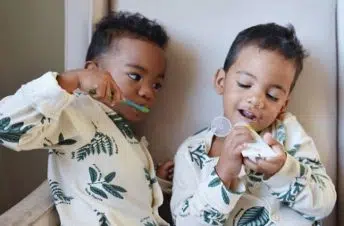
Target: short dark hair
[121, 24]
[271, 37]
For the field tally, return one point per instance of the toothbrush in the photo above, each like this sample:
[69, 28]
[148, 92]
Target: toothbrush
[136, 106]
[127, 102]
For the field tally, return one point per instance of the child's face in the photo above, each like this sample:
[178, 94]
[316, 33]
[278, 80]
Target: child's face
[256, 87]
[138, 68]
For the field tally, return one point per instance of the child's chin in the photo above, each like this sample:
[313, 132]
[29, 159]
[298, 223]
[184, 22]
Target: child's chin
[134, 117]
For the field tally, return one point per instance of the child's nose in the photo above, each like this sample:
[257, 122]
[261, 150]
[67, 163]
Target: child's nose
[146, 92]
[256, 102]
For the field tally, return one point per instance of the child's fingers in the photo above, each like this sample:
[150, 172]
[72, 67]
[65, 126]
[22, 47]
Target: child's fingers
[262, 166]
[255, 166]
[117, 94]
[274, 144]
[101, 91]
[269, 139]
[278, 159]
[250, 164]
[239, 137]
[109, 94]
[108, 98]
[166, 166]
[169, 163]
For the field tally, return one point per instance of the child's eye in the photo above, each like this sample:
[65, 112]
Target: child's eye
[243, 85]
[135, 77]
[157, 86]
[271, 97]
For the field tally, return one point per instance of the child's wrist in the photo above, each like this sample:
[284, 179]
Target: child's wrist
[226, 178]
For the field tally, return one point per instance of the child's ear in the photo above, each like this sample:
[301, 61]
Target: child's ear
[219, 81]
[91, 65]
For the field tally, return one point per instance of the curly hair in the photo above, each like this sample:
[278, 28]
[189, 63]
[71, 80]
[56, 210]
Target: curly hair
[117, 25]
[271, 37]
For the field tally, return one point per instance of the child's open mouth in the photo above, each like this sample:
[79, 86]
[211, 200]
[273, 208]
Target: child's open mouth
[248, 115]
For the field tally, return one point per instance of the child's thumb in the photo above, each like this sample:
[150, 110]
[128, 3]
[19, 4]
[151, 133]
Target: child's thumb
[269, 139]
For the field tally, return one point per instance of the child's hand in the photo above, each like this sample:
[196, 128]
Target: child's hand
[272, 165]
[165, 170]
[229, 165]
[100, 85]
[96, 82]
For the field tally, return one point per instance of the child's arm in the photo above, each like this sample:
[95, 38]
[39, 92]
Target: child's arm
[195, 202]
[32, 118]
[302, 183]
[41, 114]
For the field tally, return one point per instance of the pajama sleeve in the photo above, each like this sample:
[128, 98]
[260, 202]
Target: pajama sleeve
[302, 183]
[41, 115]
[194, 202]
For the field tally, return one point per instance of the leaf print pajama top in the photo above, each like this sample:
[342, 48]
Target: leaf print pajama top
[301, 193]
[99, 173]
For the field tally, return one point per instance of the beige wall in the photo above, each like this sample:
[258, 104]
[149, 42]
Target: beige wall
[31, 42]
[340, 18]
[201, 34]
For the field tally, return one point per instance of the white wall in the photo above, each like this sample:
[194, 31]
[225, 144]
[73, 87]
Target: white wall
[31, 42]
[78, 30]
[201, 33]
[340, 26]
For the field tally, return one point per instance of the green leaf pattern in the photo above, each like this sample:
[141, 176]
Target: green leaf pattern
[100, 144]
[216, 182]
[56, 152]
[289, 196]
[100, 186]
[58, 195]
[253, 177]
[213, 217]
[108, 178]
[198, 155]
[44, 119]
[103, 221]
[123, 126]
[12, 133]
[185, 208]
[312, 163]
[150, 223]
[280, 134]
[61, 141]
[150, 180]
[93, 174]
[224, 195]
[255, 216]
[318, 178]
[293, 150]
